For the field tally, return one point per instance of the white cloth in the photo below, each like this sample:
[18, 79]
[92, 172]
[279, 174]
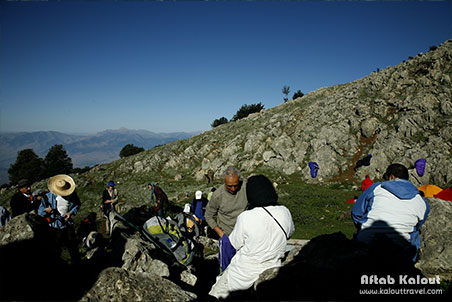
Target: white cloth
[62, 205]
[260, 244]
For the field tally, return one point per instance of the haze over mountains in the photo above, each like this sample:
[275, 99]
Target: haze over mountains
[85, 150]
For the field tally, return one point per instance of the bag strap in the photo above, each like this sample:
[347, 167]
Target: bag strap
[276, 222]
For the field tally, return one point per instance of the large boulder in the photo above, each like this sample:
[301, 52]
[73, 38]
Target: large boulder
[30, 261]
[117, 284]
[435, 254]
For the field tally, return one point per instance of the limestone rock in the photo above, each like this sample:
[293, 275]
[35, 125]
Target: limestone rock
[435, 255]
[117, 284]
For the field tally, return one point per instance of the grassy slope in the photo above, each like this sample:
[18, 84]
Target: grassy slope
[316, 209]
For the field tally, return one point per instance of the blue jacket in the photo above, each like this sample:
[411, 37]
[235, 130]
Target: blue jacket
[56, 220]
[393, 208]
[198, 207]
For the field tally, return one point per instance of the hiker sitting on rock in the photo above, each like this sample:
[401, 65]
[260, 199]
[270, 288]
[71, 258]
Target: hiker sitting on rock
[259, 236]
[394, 209]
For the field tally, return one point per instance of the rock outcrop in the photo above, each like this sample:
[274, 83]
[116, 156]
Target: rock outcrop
[399, 114]
[30, 266]
[435, 253]
[117, 284]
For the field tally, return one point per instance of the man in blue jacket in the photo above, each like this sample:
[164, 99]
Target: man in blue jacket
[393, 208]
[57, 207]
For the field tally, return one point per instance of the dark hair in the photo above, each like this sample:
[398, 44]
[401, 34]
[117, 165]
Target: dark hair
[260, 192]
[398, 170]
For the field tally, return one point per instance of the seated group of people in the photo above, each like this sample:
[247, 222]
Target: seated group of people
[252, 227]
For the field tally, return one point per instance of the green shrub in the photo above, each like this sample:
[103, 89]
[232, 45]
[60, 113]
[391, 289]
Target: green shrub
[129, 150]
[246, 110]
[297, 94]
[218, 122]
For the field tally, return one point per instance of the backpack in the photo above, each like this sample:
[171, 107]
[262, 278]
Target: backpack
[173, 236]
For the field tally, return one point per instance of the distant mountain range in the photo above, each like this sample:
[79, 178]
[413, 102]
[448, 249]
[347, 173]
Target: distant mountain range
[85, 150]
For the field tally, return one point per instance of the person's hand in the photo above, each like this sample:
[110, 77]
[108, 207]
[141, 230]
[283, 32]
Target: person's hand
[67, 216]
[48, 210]
[219, 231]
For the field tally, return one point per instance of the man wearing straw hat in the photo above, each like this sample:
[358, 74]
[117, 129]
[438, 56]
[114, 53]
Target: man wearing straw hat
[57, 207]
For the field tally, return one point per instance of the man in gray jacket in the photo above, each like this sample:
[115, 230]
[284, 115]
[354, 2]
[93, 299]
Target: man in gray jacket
[227, 202]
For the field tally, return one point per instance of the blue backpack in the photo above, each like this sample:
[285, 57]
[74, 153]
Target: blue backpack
[314, 168]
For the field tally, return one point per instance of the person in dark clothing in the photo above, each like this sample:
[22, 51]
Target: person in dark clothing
[22, 201]
[109, 201]
[161, 199]
[198, 207]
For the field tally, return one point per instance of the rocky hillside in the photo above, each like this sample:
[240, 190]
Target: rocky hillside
[400, 114]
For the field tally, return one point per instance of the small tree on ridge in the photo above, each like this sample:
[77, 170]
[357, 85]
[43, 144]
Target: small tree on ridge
[246, 110]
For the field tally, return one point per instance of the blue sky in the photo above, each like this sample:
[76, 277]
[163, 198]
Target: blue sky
[166, 66]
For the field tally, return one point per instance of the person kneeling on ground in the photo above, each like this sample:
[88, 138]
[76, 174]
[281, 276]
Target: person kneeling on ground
[259, 236]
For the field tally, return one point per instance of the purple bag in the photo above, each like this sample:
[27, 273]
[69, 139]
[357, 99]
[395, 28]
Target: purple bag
[420, 166]
[227, 251]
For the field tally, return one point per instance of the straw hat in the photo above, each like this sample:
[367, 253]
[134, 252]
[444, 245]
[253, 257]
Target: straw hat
[61, 184]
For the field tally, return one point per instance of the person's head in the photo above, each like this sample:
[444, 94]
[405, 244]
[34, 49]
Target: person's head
[396, 171]
[260, 192]
[232, 180]
[62, 185]
[111, 185]
[24, 186]
[198, 195]
[367, 176]
[150, 186]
